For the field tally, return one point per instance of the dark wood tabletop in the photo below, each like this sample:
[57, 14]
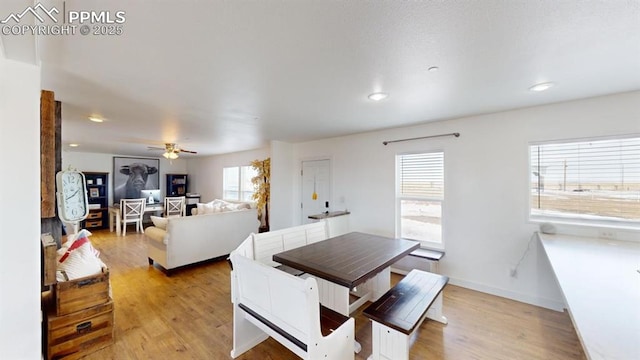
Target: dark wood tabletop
[348, 260]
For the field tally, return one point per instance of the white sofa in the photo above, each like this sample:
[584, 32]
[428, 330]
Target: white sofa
[191, 239]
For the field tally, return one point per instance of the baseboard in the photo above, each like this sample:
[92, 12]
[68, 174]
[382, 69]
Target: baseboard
[405, 265]
[512, 295]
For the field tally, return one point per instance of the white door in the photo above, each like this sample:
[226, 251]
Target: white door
[316, 179]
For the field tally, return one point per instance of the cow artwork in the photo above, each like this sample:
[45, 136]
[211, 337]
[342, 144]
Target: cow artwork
[133, 175]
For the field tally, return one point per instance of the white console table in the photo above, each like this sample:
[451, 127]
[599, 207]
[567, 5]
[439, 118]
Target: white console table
[600, 281]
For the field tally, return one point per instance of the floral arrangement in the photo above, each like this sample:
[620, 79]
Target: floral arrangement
[261, 184]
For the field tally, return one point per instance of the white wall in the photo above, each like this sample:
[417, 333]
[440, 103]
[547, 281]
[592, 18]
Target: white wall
[89, 162]
[282, 173]
[205, 173]
[486, 204]
[20, 334]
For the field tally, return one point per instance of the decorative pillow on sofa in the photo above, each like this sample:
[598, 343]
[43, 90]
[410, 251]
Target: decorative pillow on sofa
[243, 206]
[159, 222]
[229, 207]
[200, 208]
[219, 205]
[207, 208]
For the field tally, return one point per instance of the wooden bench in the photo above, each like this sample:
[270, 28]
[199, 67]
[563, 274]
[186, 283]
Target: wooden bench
[268, 302]
[399, 312]
[417, 259]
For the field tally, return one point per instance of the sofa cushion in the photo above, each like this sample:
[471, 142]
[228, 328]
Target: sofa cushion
[159, 222]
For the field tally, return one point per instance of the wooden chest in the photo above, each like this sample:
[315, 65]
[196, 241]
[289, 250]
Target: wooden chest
[75, 335]
[49, 262]
[82, 293]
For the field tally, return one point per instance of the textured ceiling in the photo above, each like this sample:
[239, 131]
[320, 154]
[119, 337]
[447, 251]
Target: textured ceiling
[223, 76]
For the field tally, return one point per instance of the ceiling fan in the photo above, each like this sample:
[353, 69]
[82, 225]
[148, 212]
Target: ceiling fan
[171, 150]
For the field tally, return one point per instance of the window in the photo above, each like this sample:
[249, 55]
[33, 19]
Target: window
[588, 181]
[236, 184]
[420, 192]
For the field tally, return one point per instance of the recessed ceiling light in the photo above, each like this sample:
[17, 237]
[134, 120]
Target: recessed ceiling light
[96, 119]
[433, 69]
[74, 145]
[541, 86]
[378, 96]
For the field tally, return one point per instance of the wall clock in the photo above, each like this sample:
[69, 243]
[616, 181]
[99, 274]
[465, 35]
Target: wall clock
[73, 205]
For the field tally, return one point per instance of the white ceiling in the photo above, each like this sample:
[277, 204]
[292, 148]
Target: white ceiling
[223, 76]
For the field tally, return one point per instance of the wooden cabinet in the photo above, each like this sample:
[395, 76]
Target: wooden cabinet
[79, 317]
[78, 334]
[176, 185]
[98, 194]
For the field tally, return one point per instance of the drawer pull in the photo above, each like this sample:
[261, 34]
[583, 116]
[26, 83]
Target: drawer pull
[84, 327]
[87, 282]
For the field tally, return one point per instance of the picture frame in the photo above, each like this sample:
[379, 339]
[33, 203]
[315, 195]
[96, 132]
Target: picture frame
[94, 192]
[132, 174]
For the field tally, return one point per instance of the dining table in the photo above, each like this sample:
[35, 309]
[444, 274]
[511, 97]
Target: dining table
[350, 269]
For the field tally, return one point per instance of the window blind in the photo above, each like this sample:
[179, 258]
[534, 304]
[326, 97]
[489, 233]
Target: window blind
[590, 179]
[422, 175]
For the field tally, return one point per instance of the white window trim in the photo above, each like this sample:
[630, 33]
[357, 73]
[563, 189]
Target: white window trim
[241, 190]
[398, 200]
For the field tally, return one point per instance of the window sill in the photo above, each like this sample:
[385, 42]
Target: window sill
[586, 224]
[592, 230]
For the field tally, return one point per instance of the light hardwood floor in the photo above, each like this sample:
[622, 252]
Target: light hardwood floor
[189, 316]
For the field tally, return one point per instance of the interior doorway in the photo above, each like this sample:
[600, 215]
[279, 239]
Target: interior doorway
[316, 188]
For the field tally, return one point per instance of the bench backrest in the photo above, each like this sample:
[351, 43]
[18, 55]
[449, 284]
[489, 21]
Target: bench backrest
[289, 302]
[265, 245]
[246, 247]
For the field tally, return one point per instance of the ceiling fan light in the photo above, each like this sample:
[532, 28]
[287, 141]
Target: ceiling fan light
[541, 86]
[96, 119]
[378, 96]
[170, 155]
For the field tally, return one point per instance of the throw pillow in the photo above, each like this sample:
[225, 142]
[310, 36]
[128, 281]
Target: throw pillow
[208, 208]
[81, 235]
[159, 222]
[217, 206]
[80, 259]
[200, 208]
[243, 206]
[229, 207]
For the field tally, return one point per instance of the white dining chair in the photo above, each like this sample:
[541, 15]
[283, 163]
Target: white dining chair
[174, 206]
[132, 212]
